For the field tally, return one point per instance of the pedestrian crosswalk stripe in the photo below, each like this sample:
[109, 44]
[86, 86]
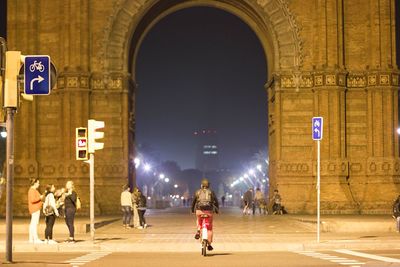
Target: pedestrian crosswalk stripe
[87, 258]
[368, 256]
[332, 258]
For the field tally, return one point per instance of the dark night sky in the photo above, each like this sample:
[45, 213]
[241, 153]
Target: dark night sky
[199, 68]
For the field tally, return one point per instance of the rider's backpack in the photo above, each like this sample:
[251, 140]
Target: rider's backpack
[204, 201]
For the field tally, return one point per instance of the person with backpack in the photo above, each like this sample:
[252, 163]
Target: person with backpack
[70, 206]
[141, 207]
[50, 212]
[205, 203]
[396, 212]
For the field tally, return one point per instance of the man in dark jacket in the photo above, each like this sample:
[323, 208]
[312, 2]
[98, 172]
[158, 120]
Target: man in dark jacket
[205, 203]
[248, 201]
[396, 212]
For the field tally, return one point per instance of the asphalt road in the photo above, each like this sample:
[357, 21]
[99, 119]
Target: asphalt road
[302, 258]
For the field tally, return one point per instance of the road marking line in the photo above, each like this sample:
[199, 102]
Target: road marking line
[332, 258]
[82, 260]
[366, 255]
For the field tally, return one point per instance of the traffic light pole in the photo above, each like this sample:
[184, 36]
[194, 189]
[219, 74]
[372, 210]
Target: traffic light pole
[91, 171]
[10, 181]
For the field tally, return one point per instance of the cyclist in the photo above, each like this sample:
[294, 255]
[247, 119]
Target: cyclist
[205, 203]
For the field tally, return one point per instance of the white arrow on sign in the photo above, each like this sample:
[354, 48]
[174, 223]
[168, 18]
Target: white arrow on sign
[318, 132]
[39, 79]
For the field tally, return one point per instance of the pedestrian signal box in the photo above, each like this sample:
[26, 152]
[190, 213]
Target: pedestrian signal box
[81, 144]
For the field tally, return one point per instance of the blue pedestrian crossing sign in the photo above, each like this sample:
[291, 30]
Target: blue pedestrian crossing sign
[317, 128]
[37, 75]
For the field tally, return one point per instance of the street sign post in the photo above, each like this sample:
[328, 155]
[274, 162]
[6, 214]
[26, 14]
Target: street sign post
[317, 132]
[37, 75]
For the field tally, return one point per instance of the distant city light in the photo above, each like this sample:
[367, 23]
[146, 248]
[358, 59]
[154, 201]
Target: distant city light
[137, 162]
[245, 176]
[148, 198]
[147, 167]
[241, 179]
[263, 180]
[259, 167]
[3, 134]
[251, 172]
[161, 176]
[175, 185]
[166, 180]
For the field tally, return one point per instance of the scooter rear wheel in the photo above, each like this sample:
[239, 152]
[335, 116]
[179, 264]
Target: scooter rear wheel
[204, 248]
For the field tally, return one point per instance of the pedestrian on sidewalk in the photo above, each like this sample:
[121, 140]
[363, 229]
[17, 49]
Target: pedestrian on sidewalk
[70, 204]
[259, 201]
[34, 205]
[50, 212]
[141, 206]
[396, 212]
[126, 204]
[248, 200]
[135, 200]
[223, 200]
[277, 203]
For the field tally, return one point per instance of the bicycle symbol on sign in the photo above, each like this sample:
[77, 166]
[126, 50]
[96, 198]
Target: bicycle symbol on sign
[36, 66]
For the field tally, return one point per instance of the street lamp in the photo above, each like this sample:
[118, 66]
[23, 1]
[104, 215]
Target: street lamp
[251, 172]
[166, 180]
[147, 167]
[137, 162]
[259, 167]
[161, 176]
[175, 186]
[3, 134]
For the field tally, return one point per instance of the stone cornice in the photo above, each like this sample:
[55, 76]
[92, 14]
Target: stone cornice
[316, 79]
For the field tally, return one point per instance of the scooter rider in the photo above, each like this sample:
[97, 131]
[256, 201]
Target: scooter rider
[205, 202]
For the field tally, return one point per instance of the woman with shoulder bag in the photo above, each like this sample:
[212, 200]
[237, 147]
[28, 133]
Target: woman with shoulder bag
[70, 207]
[50, 211]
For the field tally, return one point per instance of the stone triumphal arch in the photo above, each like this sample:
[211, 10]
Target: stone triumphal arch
[332, 58]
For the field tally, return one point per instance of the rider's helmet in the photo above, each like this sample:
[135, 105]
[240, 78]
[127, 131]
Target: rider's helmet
[205, 183]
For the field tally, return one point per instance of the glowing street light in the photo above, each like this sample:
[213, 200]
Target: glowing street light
[137, 162]
[259, 167]
[175, 185]
[398, 131]
[161, 176]
[147, 167]
[3, 134]
[251, 172]
[166, 180]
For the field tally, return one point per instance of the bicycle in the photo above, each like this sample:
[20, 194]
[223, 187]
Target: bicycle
[205, 224]
[36, 66]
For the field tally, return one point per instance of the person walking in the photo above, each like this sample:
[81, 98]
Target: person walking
[223, 200]
[396, 212]
[141, 206]
[50, 212]
[248, 199]
[259, 200]
[135, 200]
[34, 206]
[126, 204]
[70, 203]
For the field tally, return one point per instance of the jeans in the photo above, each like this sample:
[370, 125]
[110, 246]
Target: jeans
[48, 233]
[127, 216]
[33, 235]
[142, 220]
[69, 219]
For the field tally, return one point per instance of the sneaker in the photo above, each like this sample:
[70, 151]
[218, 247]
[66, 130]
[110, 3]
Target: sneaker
[197, 235]
[140, 227]
[38, 241]
[210, 248]
[145, 226]
[51, 242]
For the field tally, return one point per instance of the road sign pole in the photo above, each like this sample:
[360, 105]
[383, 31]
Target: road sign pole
[10, 181]
[91, 166]
[318, 189]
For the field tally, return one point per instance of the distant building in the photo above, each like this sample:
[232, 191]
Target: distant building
[207, 153]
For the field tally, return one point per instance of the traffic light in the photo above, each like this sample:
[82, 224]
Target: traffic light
[93, 125]
[81, 144]
[13, 64]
